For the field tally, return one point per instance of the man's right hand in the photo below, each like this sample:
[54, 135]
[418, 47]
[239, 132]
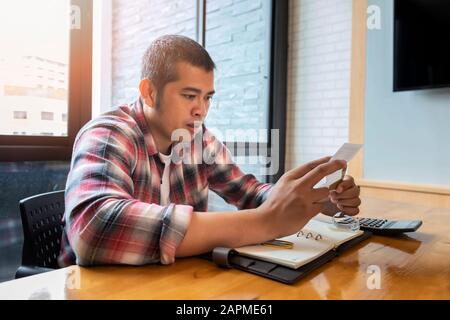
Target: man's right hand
[293, 201]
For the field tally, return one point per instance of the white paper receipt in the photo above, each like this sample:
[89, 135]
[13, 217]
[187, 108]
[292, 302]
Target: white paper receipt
[346, 152]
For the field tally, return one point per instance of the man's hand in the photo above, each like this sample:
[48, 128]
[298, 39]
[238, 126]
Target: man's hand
[346, 196]
[293, 201]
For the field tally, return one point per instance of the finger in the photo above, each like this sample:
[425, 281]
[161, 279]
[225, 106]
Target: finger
[350, 211]
[307, 167]
[355, 202]
[347, 183]
[321, 171]
[333, 199]
[353, 192]
[320, 194]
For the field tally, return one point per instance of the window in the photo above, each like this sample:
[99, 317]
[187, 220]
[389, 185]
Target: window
[248, 41]
[64, 117]
[47, 115]
[238, 36]
[44, 50]
[238, 39]
[20, 115]
[23, 179]
[59, 44]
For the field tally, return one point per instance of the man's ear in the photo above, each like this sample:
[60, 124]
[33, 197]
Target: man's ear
[148, 92]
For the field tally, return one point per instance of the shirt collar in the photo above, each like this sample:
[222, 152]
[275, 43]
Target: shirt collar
[139, 116]
[138, 108]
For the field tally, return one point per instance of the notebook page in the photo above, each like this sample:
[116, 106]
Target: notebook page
[304, 251]
[337, 235]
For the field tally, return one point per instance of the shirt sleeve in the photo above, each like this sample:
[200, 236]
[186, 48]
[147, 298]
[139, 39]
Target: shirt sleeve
[228, 181]
[105, 224]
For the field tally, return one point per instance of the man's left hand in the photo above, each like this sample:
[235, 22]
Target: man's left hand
[346, 196]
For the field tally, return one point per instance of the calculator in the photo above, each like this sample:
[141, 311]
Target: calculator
[388, 227]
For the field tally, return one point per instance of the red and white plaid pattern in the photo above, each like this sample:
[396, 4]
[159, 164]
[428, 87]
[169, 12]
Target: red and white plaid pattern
[112, 198]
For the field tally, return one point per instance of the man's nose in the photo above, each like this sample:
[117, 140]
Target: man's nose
[201, 109]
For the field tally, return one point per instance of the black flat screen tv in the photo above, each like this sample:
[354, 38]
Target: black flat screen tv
[421, 44]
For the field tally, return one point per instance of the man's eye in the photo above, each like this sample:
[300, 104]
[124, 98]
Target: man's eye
[189, 96]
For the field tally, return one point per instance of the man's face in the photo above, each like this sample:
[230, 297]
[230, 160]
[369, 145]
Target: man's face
[185, 101]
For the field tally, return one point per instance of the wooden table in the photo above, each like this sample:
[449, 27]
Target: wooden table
[413, 266]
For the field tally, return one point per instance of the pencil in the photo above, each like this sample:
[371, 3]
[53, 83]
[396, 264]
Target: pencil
[279, 244]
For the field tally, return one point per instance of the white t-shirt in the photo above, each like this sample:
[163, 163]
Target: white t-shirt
[165, 181]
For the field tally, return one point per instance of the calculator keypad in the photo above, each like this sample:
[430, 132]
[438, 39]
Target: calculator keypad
[373, 223]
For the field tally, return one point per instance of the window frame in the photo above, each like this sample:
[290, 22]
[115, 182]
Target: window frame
[48, 148]
[278, 80]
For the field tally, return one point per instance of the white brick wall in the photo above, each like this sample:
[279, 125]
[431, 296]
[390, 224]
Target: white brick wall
[135, 23]
[318, 78]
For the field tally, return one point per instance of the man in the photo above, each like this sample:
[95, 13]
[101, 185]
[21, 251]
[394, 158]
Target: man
[128, 202]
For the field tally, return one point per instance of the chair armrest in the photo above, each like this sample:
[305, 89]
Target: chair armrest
[26, 271]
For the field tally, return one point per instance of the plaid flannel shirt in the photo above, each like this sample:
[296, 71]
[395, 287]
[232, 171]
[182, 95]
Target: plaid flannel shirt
[112, 198]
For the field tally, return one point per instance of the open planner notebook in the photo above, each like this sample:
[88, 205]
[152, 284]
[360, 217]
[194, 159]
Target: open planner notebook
[314, 240]
[317, 243]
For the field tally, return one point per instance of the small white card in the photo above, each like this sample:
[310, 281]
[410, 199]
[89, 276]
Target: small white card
[346, 152]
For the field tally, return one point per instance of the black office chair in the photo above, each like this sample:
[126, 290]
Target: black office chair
[42, 228]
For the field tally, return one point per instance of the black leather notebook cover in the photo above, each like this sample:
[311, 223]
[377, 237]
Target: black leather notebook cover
[229, 258]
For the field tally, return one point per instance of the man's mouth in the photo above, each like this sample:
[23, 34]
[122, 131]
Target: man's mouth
[194, 126]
